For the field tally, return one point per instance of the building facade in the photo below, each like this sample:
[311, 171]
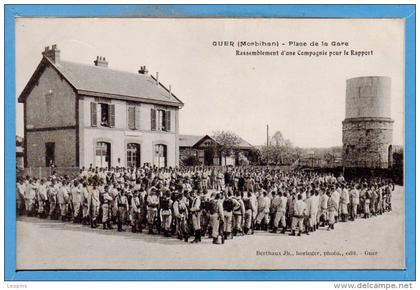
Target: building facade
[367, 128]
[78, 115]
[204, 151]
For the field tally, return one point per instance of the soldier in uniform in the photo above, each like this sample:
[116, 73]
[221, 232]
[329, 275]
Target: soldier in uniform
[354, 201]
[106, 209]
[216, 217]
[332, 210]
[122, 209]
[136, 212]
[166, 213]
[76, 195]
[181, 214]
[263, 211]
[63, 200]
[86, 201]
[227, 213]
[238, 214]
[42, 199]
[94, 205]
[195, 211]
[248, 212]
[152, 208]
[299, 211]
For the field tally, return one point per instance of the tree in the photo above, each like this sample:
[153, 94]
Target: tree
[227, 141]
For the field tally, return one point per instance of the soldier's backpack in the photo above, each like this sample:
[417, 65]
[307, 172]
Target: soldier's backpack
[228, 205]
[213, 206]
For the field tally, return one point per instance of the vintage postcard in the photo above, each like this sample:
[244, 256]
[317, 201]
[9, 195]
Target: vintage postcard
[212, 143]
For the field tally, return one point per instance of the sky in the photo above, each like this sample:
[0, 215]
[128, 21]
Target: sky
[303, 97]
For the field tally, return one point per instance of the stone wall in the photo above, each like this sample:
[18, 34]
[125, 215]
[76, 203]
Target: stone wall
[366, 142]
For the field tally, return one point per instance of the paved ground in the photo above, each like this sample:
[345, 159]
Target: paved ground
[376, 243]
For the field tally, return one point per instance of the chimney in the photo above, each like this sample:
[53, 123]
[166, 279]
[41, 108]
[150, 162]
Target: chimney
[52, 54]
[101, 61]
[143, 70]
[157, 78]
[170, 91]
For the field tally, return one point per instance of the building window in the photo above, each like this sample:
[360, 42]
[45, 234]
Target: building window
[104, 112]
[48, 100]
[133, 155]
[133, 112]
[103, 155]
[160, 120]
[160, 155]
[49, 154]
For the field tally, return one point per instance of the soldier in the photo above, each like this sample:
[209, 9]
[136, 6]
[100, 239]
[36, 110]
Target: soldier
[299, 211]
[86, 202]
[238, 214]
[181, 215]
[227, 213]
[262, 220]
[123, 208]
[42, 199]
[136, 212]
[76, 194]
[274, 207]
[314, 209]
[106, 209]
[248, 212]
[196, 216]
[30, 195]
[20, 197]
[152, 208]
[354, 201]
[280, 215]
[332, 210]
[367, 199]
[166, 213]
[63, 200]
[216, 217]
[94, 205]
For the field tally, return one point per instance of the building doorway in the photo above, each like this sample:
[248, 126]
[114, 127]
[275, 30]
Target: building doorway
[49, 154]
[103, 155]
[133, 155]
[160, 155]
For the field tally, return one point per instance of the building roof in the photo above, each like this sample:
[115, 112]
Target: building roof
[109, 83]
[188, 140]
[192, 140]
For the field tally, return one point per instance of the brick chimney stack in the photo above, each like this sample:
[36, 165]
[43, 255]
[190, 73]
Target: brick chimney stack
[52, 54]
[143, 70]
[101, 61]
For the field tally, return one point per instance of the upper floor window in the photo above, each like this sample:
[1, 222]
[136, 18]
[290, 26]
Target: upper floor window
[102, 114]
[133, 112]
[160, 120]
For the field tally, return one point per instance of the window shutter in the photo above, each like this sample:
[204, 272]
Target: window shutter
[131, 117]
[93, 115]
[168, 121]
[153, 119]
[111, 117]
[137, 118]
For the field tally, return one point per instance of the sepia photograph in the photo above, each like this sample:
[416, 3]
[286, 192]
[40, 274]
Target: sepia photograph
[210, 143]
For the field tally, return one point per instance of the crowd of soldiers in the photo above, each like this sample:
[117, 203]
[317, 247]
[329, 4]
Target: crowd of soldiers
[196, 202]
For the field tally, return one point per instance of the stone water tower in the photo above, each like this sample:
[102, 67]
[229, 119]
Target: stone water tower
[367, 128]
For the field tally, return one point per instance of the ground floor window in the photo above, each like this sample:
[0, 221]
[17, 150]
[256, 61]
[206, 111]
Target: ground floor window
[133, 155]
[103, 155]
[160, 155]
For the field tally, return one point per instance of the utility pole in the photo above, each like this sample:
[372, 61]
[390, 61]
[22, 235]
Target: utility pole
[267, 135]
